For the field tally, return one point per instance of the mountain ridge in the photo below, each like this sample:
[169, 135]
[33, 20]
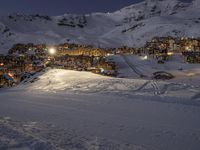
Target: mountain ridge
[130, 26]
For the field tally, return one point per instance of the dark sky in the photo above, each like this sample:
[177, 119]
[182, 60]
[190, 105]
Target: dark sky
[58, 7]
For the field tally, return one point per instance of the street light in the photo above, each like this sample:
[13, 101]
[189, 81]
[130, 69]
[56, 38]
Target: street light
[170, 53]
[52, 51]
[144, 57]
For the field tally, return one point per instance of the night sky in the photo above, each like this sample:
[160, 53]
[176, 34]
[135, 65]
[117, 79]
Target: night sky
[58, 7]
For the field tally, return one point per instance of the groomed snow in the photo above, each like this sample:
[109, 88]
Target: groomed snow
[80, 110]
[184, 72]
[64, 109]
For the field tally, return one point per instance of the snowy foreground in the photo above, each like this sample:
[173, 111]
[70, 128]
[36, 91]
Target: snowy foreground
[62, 109]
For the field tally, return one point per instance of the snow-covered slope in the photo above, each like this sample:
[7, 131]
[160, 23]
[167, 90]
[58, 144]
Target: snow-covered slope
[76, 110]
[131, 26]
[67, 81]
[65, 109]
[196, 3]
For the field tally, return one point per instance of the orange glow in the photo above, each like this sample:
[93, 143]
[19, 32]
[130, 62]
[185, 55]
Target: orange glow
[11, 75]
[1, 64]
[188, 48]
[170, 53]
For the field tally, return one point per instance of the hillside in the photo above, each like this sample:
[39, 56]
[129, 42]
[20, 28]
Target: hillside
[131, 26]
[65, 109]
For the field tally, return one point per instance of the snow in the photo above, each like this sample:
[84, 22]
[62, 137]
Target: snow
[65, 109]
[16, 135]
[196, 3]
[67, 81]
[154, 18]
[184, 73]
[147, 125]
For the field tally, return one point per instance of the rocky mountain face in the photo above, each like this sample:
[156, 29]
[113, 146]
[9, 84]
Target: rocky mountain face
[130, 26]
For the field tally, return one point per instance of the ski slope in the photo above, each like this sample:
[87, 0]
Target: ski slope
[65, 109]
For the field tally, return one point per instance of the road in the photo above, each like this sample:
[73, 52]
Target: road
[133, 67]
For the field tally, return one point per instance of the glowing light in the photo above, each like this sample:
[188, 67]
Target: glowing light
[1, 64]
[188, 48]
[170, 53]
[145, 57]
[52, 51]
[11, 75]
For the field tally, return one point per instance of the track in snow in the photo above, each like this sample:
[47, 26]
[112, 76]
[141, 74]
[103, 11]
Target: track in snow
[17, 135]
[133, 67]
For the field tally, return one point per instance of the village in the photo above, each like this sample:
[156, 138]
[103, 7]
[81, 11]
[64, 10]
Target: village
[161, 48]
[25, 60]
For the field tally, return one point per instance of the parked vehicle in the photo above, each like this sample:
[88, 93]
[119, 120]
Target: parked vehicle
[162, 75]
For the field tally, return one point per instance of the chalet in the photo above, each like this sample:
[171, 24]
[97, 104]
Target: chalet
[6, 80]
[3, 70]
[29, 58]
[191, 56]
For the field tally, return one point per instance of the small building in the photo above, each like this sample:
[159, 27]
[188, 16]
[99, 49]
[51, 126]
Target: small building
[6, 80]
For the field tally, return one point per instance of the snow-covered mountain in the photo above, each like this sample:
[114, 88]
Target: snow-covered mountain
[131, 26]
